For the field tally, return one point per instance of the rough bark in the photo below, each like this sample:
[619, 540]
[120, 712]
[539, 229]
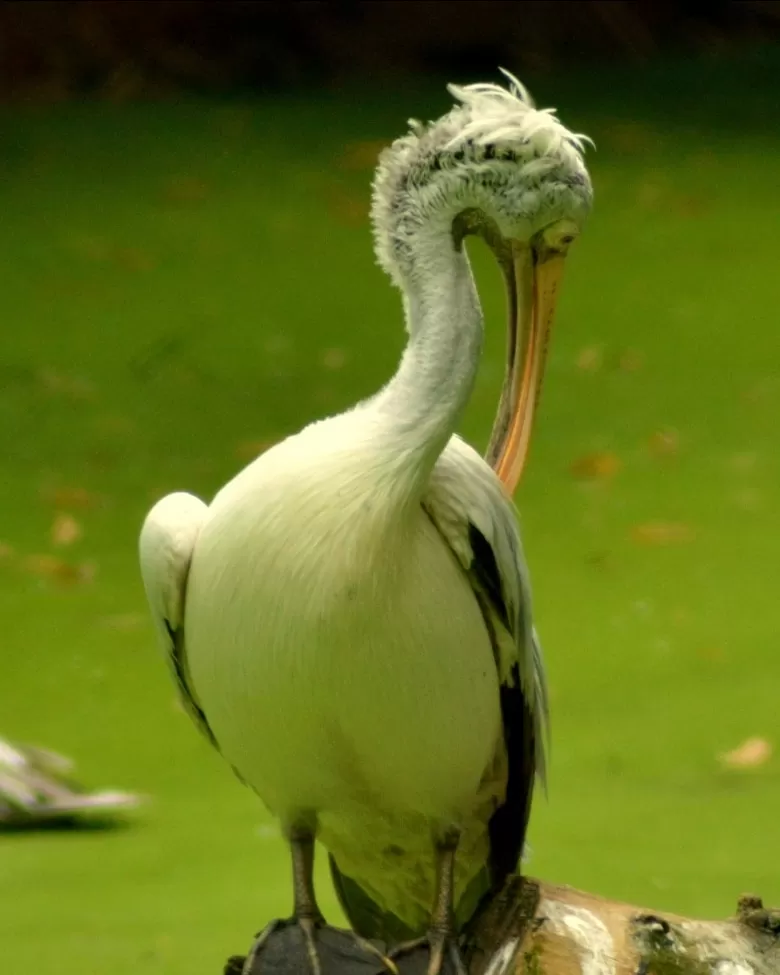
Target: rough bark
[535, 928]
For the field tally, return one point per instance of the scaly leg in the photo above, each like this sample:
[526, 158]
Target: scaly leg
[306, 912]
[441, 938]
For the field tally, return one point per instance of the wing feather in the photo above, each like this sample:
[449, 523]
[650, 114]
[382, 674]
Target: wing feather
[166, 545]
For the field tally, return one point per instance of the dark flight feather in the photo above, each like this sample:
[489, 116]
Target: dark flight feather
[178, 664]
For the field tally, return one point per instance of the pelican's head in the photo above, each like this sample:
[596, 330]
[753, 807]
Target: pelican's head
[496, 167]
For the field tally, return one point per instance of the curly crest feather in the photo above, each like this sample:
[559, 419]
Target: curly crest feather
[493, 150]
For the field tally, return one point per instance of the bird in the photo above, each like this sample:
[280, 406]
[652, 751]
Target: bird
[349, 619]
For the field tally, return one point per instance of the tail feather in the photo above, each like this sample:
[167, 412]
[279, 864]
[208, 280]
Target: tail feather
[365, 916]
[370, 921]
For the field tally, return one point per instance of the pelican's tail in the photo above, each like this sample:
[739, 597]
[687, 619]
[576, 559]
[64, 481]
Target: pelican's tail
[365, 916]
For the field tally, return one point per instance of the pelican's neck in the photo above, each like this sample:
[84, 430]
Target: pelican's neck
[421, 405]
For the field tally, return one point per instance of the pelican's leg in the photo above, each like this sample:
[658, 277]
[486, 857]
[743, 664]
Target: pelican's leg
[441, 938]
[305, 908]
[306, 912]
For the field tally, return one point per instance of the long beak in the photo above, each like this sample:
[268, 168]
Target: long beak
[532, 289]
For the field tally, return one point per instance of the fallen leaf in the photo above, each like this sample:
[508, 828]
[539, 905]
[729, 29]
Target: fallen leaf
[761, 392]
[325, 397]
[334, 358]
[691, 206]
[105, 458]
[590, 359]
[6, 552]
[71, 387]
[232, 123]
[277, 345]
[60, 571]
[123, 621]
[69, 497]
[664, 444]
[705, 159]
[661, 533]
[362, 155]
[752, 753]
[87, 571]
[186, 189]
[347, 208]
[204, 466]
[711, 653]
[48, 91]
[114, 425]
[133, 259]
[249, 449]
[744, 462]
[164, 944]
[632, 137]
[631, 361]
[65, 530]
[91, 247]
[649, 195]
[596, 466]
[748, 499]
[125, 83]
[599, 560]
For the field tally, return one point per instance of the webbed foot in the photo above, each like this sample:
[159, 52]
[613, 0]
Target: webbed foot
[307, 944]
[444, 956]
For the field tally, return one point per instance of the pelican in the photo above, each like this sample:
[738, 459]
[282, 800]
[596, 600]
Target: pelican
[349, 620]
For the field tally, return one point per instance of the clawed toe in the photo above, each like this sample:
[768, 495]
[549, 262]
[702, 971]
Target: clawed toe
[259, 944]
[306, 925]
[442, 948]
[370, 949]
[320, 942]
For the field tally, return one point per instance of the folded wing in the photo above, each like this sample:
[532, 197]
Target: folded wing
[166, 545]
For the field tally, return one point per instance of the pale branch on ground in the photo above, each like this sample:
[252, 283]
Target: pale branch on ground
[551, 930]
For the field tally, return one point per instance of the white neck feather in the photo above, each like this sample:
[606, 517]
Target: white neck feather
[421, 405]
[494, 152]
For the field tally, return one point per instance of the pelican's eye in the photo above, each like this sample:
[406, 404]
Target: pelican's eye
[558, 237]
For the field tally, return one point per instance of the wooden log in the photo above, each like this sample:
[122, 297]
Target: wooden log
[535, 928]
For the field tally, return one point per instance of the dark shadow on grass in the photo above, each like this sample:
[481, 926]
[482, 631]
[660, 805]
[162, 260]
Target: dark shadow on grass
[72, 824]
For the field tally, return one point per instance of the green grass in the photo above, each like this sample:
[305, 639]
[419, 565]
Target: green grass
[175, 279]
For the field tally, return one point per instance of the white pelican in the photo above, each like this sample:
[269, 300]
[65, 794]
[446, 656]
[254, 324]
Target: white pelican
[349, 619]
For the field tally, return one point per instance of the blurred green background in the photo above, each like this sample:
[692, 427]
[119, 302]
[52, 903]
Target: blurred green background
[185, 281]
